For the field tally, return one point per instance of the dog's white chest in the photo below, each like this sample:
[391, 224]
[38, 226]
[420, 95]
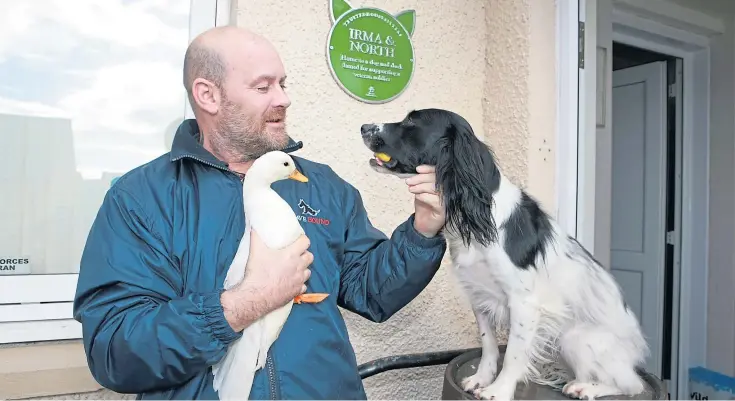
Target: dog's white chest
[477, 271]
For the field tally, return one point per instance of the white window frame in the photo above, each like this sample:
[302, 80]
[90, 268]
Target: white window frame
[575, 183]
[568, 116]
[39, 307]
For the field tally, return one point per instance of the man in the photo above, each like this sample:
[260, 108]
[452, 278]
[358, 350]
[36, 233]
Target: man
[150, 299]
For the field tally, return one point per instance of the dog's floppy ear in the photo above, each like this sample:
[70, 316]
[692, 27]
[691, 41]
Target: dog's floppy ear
[467, 176]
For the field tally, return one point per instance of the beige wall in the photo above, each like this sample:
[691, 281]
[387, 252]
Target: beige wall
[492, 62]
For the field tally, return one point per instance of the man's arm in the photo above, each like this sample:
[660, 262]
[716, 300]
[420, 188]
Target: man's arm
[380, 275]
[140, 333]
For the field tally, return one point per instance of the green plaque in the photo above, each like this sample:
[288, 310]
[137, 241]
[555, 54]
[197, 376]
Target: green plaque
[369, 51]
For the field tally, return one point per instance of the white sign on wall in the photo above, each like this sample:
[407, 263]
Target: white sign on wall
[15, 265]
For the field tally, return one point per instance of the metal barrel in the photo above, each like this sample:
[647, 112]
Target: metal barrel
[465, 365]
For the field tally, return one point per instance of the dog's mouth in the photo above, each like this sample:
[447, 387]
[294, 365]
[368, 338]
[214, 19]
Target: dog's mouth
[383, 160]
[386, 164]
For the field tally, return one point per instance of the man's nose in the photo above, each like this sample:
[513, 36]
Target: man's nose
[281, 99]
[368, 129]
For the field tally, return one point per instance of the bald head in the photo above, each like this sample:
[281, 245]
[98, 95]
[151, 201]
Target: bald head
[210, 53]
[235, 81]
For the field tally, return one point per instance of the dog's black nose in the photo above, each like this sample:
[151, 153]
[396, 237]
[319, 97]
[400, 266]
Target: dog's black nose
[368, 129]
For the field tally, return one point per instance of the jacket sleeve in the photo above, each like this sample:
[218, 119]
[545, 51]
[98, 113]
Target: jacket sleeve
[141, 331]
[381, 275]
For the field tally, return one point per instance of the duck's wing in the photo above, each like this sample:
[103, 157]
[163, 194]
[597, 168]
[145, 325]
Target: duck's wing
[274, 220]
[234, 373]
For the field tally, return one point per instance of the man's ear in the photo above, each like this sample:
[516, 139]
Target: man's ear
[206, 95]
[467, 177]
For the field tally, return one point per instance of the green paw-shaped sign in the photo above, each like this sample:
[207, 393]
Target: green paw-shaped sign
[369, 51]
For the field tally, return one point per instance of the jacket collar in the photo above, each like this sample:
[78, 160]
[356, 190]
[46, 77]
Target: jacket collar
[186, 144]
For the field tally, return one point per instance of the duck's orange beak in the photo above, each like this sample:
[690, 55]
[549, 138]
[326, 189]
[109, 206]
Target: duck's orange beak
[296, 175]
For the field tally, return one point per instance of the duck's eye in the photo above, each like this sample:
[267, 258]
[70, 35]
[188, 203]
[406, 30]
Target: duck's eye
[285, 164]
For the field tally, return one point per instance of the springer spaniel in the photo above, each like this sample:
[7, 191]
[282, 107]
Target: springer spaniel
[569, 324]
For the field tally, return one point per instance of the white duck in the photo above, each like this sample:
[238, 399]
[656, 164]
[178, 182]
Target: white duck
[276, 223]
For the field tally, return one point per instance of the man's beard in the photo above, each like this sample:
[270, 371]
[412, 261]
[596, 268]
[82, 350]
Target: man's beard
[239, 138]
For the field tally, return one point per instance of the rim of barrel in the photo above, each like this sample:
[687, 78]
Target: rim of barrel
[658, 390]
[450, 373]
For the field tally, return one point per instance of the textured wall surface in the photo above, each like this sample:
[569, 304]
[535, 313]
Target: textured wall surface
[478, 58]
[472, 58]
[505, 95]
[449, 44]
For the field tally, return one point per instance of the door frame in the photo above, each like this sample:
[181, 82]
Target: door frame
[670, 29]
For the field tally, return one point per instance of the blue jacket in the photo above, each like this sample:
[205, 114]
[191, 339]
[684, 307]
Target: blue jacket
[155, 261]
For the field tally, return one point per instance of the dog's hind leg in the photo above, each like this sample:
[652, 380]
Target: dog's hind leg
[603, 363]
[489, 361]
[524, 322]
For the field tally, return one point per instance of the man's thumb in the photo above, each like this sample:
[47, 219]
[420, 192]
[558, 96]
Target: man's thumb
[255, 240]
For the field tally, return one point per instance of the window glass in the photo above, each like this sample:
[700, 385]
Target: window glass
[89, 89]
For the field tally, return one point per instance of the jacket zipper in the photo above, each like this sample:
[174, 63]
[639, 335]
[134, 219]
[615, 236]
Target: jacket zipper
[287, 149]
[271, 376]
[203, 161]
[269, 359]
[293, 147]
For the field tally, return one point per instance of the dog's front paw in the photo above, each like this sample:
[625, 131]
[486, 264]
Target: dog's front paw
[588, 390]
[496, 391]
[477, 381]
[484, 376]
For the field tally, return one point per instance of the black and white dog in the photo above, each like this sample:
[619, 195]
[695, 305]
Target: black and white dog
[568, 320]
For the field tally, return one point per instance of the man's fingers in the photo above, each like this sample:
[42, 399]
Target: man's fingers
[421, 178]
[300, 245]
[425, 188]
[255, 238]
[303, 242]
[307, 274]
[308, 258]
[432, 200]
[422, 169]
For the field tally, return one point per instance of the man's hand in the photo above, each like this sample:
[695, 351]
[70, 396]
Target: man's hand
[430, 215]
[272, 279]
